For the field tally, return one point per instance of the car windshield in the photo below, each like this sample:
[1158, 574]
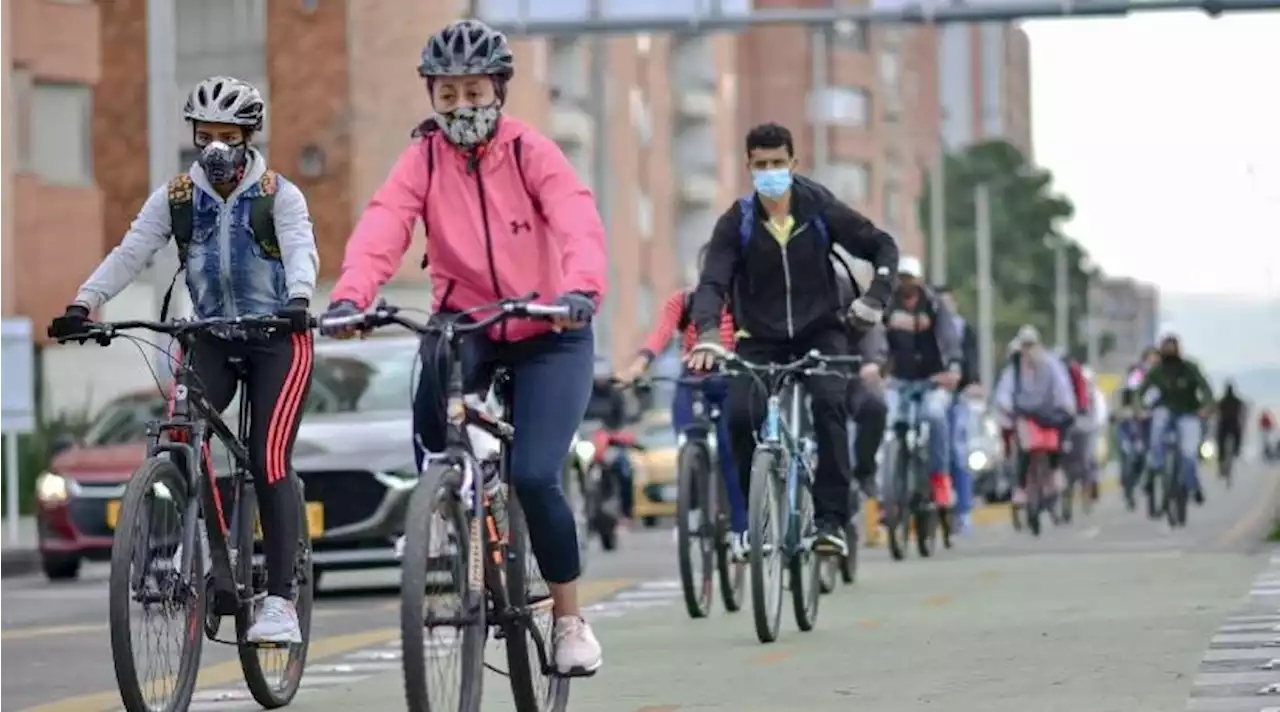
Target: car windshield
[363, 378]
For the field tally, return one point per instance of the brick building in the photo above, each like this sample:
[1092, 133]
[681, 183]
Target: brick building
[52, 233]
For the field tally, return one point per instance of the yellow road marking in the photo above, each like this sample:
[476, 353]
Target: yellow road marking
[321, 648]
[769, 658]
[939, 600]
[14, 634]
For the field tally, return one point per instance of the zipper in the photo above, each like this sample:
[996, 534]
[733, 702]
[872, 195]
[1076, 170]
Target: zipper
[786, 277]
[488, 243]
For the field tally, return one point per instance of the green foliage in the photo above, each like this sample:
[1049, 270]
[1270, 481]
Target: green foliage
[35, 451]
[1025, 216]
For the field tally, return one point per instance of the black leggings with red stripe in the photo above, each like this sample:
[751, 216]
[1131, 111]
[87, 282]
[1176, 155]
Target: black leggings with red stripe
[277, 377]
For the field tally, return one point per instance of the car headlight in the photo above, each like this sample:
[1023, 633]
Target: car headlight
[399, 480]
[585, 451]
[978, 461]
[52, 488]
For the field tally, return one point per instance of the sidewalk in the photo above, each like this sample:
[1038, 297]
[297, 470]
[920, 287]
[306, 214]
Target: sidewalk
[19, 557]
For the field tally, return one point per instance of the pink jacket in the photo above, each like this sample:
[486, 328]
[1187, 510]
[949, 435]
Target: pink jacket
[482, 249]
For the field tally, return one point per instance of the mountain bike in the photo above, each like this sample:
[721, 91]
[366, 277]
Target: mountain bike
[1172, 480]
[466, 538]
[1039, 443]
[909, 504]
[160, 563]
[781, 527]
[703, 529]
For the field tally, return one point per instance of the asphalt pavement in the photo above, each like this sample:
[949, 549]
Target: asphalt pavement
[1114, 612]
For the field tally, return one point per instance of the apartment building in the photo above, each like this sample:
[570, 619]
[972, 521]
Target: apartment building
[984, 85]
[1127, 314]
[52, 233]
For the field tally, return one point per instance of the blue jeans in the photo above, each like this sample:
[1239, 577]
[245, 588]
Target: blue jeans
[961, 478]
[1189, 435]
[626, 473]
[551, 384]
[715, 391]
[933, 411]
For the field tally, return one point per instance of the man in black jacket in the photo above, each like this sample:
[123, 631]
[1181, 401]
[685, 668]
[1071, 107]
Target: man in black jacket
[958, 416]
[924, 349]
[772, 250]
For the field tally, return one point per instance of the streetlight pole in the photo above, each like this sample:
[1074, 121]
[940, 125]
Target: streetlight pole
[162, 21]
[1061, 298]
[986, 289]
[938, 179]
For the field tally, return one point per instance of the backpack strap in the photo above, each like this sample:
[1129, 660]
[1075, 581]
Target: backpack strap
[262, 215]
[746, 212]
[181, 225]
[431, 172]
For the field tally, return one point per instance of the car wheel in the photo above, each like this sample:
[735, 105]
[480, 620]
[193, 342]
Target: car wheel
[60, 567]
[649, 522]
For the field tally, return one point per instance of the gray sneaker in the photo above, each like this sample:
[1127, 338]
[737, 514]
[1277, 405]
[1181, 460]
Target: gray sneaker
[276, 622]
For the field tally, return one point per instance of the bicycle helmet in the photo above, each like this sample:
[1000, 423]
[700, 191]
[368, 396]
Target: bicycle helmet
[467, 48]
[225, 100]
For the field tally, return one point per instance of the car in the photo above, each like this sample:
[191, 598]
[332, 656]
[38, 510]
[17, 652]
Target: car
[353, 454]
[655, 478]
[984, 456]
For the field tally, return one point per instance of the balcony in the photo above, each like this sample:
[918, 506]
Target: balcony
[699, 190]
[570, 125]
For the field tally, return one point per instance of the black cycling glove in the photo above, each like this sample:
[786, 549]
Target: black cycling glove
[73, 322]
[338, 310]
[296, 312]
[581, 306]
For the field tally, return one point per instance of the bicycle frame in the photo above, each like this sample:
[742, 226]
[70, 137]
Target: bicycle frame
[907, 429]
[778, 433]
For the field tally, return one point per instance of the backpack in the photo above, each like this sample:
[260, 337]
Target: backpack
[746, 225]
[426, 128]
[1079, 385]
[182, 222]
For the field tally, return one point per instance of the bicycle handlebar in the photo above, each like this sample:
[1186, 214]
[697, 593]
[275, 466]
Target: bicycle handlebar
[104, 331]
[385, 314]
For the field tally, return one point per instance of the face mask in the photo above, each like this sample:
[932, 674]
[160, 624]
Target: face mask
[772, 183]
[222, 163]
[1168, 356]
[470, 126]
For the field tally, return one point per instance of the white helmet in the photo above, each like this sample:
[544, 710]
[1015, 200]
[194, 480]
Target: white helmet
[225, 100]
[909, 266]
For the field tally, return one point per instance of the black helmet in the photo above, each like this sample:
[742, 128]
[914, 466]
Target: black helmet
[467, 48]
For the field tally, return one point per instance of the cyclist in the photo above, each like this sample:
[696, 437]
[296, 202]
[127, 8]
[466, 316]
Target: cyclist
[1267, 424]
[675, 318]
[924, 346]
[505, 215]
[231, 270]
[958, 414]
[772, 249]
[1231, 419]
[1034, 384]
[1132, 430]
[1184, 399]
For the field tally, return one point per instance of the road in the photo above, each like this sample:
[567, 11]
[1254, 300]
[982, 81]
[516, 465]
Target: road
[1111, 613]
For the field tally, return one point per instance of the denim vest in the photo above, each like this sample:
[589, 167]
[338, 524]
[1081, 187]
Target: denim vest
[228, 273]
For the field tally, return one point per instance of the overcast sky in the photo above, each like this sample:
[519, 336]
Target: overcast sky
[1165, 131]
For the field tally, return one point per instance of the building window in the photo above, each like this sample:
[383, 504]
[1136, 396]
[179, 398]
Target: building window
[851, 182]
[848, 35]
[644, 299]
[841, 106]
[59, 133]
[644, 215]
[893, 217]
[568, 64]
[641, 120]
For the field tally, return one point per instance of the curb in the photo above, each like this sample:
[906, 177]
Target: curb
[19, 562]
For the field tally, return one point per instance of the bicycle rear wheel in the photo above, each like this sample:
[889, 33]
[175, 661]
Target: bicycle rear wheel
[732, 575]
[1176, 495]
[442, 609]
[146, 563]
[1037, 476]
[272, 673]
[897, 523]
[764, 536]
[695, 527]
[530, 644]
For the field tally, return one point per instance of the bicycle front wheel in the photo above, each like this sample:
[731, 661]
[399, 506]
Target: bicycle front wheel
[442, 600]
[147, 569]
[806, 566]
[695, 528]
[764, 536]
[273, 673]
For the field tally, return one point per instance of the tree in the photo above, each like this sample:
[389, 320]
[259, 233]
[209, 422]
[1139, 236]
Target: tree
[1025, 216]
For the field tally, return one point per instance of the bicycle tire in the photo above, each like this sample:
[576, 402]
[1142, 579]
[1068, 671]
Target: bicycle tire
[1035, 491]
[926, 524]
[435, 491]
[119, 593]
[520, 636]
[898, 524]
[732, 576]
[805, 568]
[264, 693]
[1067, 503]
[1175, 502]
[849, 562]
[763, 507]
[693, 495]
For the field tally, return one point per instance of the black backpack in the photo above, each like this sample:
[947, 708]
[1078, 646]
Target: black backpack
[182, 222]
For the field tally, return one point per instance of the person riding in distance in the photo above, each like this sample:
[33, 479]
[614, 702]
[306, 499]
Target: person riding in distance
[505, 215]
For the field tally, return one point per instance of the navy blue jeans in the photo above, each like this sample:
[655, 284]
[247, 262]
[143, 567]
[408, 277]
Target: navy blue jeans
[551, 384]
[716, 391]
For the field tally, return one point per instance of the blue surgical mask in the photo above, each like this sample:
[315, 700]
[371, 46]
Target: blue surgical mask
[772, 183]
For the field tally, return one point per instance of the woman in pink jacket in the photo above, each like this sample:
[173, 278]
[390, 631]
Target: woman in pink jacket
[505, 215]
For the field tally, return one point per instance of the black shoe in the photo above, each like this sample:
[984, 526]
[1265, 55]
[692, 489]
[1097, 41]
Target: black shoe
[1198, 496]
[830, 540]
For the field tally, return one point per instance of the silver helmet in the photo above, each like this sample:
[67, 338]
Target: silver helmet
[225, 100]
[467, 48]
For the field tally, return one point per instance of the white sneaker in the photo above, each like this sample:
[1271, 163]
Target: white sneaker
[276, 622]
[578, 652]
[738, 547]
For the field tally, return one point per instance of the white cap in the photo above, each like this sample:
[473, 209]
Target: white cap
[909, 266]
[1028, 335]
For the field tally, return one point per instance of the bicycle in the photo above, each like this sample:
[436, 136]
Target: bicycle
[782, 472]
[1228, 445]
[910, 502]
[1039, 443]
[603, 488]
[1076, 467]
[162, 567]
[1173, 487]
[492, 575]
[703, 530]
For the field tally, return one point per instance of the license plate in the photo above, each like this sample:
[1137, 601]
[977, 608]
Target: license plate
[113, 513]
[315, 521]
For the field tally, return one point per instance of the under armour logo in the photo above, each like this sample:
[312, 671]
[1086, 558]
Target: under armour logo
[518, 225]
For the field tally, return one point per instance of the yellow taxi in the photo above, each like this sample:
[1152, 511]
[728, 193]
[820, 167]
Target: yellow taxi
[655, 467]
